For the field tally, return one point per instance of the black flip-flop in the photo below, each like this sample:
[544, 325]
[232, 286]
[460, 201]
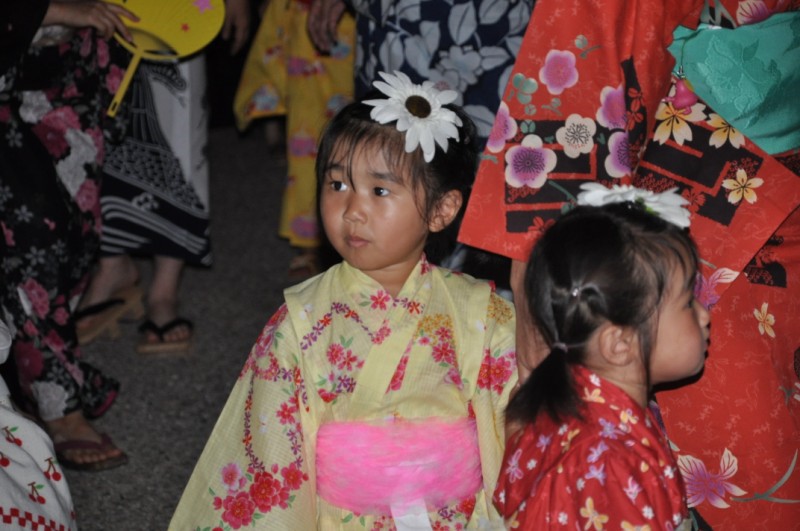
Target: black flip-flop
[162, 346]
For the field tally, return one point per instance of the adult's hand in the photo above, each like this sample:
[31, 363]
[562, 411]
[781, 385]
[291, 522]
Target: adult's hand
[237, 23]
[323, 17]
[104, 17]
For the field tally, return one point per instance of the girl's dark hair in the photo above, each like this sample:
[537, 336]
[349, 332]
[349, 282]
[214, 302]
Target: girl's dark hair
[595, 265]
[352, 129]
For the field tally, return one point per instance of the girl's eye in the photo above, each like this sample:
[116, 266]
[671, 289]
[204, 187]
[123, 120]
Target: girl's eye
[338, 186]
[381, 192]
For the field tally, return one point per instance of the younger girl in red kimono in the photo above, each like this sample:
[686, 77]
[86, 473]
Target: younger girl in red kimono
[611, 290]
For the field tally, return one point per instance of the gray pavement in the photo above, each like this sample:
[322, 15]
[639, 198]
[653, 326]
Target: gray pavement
[168, 406]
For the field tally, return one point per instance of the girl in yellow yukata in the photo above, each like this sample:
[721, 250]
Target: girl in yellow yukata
[373, 398]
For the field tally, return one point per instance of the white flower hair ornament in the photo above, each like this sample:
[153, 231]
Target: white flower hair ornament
[418, 111]
[668, 205]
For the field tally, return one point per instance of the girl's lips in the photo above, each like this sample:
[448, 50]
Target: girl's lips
[355, 241]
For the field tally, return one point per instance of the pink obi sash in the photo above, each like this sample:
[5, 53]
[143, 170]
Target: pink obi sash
[385, 467]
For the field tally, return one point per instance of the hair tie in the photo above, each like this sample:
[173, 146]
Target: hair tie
[560, 346]
[575, 292]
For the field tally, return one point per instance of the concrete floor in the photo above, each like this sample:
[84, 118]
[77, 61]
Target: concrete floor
[167, 407]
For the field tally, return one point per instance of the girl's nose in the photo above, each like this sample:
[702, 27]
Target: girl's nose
[354, 209]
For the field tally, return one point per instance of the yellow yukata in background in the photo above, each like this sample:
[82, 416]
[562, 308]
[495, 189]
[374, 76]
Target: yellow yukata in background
[342, 349]
[284, 75]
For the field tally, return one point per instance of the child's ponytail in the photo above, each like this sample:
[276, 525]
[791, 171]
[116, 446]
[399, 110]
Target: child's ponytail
[595, 265]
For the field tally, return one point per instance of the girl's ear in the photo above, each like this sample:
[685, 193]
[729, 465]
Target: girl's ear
[619, 345]
[445, 211]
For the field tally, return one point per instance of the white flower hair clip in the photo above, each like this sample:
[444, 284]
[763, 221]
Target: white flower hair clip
[418, 110]
[668, 205]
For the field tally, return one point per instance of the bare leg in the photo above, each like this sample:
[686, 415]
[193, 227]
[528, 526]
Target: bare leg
[112, 274]
[162, 297]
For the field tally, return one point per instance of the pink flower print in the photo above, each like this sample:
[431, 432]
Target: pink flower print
[495, 372]
[350, 361]
[425, 267]
[37, 296]
[267, 492]
[444, 353]
[286, 413]
[114, 78]
[702, 485]
[52, 129]
[381, 335]
[379, 300]
[513, 470]
[29, 360]
[633, 489]
[705, 290]
[444, 333]
[54, 342]
[101, 53]
[5, 114]
[302, 145]
[71, 91]
[335, 354]
[414, 308]
[453, 377]
[86, 44]
[612, 113]
[752, 11]
[88, 196]
[399, 373]
[238, 510]
[618, 161]
[559, 72]
[504, 129]
[293, 477]
[8, 234]
[232, 477]
[30, 329]
[529, 163]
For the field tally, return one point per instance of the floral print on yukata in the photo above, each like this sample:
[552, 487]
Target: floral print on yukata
[611, 469]
[304, 370]
[466, 45]
[54, 131]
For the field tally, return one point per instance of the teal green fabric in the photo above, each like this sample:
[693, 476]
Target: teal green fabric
[750, 76]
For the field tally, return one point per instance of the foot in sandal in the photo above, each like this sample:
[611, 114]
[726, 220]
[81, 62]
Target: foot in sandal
[79, 447]
[164, 332]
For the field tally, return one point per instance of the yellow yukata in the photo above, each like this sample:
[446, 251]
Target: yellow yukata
[285, 75]
[342, 349]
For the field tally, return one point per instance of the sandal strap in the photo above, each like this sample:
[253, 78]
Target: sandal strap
[160, 331]
[96, 308]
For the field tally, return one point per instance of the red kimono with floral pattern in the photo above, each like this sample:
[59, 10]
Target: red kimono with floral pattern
[612, 468]
[584, 103]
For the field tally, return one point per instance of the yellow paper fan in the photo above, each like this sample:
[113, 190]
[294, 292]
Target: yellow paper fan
[166, 30]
